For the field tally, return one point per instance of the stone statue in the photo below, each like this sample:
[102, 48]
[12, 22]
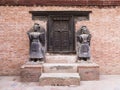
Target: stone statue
[37, 43]
[83, 41]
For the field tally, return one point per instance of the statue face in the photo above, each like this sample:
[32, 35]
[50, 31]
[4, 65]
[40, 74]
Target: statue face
[36, 27]
[84, 30]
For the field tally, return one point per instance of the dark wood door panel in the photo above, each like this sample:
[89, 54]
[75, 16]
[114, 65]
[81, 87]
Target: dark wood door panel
[60, 29]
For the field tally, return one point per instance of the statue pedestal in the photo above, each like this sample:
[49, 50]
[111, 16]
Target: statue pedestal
[31, 71]
[88, 71]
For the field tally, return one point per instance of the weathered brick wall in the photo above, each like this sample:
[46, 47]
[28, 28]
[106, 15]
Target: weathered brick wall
[15, 21]
[62, 2]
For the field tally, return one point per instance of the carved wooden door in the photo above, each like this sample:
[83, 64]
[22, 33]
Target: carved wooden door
[60, 34]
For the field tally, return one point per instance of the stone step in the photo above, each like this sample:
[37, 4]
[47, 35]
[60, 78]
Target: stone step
[56, 58]
[60, 68]
[59, 79]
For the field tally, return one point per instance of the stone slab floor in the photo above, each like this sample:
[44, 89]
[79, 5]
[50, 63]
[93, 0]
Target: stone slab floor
[106, 82]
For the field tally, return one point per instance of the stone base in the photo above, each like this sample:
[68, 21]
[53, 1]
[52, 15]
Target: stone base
[88, 71]
[60, 68]
[59, 79]
[31, 71]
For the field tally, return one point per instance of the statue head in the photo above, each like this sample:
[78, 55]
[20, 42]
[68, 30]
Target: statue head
[84, 30]
[36, 27]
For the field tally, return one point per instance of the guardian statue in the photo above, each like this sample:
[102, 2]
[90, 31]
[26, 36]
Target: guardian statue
[37, 42]
[83, 43]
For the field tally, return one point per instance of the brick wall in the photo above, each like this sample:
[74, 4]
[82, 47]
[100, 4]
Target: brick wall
[62, 2]
[15, 21]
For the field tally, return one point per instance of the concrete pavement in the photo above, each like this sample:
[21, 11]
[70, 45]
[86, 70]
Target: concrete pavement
[106, 82]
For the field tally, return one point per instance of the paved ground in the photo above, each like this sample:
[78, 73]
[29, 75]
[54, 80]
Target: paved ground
[106, 82]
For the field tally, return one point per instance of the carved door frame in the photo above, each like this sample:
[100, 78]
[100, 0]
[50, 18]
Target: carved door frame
[72, 34]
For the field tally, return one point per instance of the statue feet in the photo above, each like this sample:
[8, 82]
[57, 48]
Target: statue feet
[36, 61]
[84, 60]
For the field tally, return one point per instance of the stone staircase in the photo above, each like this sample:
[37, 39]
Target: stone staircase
[60, 70]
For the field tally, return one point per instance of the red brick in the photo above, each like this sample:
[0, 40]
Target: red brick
[8, 2]
[95, 3]
[61, 2]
